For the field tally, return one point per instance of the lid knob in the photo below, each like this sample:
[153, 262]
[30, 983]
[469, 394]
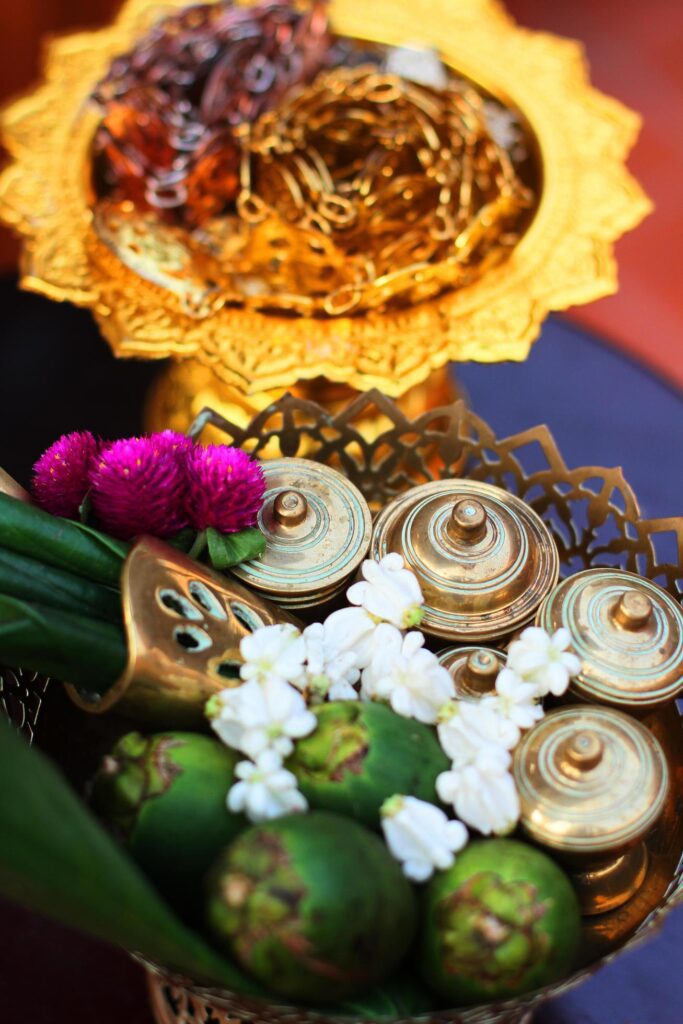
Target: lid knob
[468, 520]
[585, 750]
[290, 508]
[633, 610]
[481, 669]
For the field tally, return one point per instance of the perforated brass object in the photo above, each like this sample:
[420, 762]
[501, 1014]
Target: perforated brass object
[473, 669]
[628, 632]
[183, 626]
[484, 559]
[592, 782]
[317, 527]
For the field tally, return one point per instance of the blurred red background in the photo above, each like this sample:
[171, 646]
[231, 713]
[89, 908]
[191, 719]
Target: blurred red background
[634, 54]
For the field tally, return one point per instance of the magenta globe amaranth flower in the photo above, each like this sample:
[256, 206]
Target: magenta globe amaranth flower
[171, 440]
[225, 488]
[61, 474]
[138, 486]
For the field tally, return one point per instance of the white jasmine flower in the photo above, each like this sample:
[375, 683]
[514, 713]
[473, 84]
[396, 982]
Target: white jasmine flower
[389, 592]
[273, 652]
[467, 729]
[420, 836]
[259, 716]
[331, 669]
[483, 795]
[352, 629]
[515, 700]
[406, 675]
[544, 660]
[265, 790]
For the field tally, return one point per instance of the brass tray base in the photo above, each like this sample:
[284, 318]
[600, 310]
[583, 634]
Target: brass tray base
[594, 516]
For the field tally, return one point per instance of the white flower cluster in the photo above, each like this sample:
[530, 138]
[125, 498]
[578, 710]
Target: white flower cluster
[284, 670]
[364, 652]
[478, 737]
[261, 719]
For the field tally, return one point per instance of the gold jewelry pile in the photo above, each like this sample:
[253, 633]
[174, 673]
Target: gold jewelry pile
[364, 188]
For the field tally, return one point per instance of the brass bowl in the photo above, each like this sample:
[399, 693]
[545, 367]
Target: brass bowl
[240, 357]
[595, 519]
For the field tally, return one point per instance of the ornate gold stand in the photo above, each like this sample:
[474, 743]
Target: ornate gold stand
[578, 142]
[187, 387]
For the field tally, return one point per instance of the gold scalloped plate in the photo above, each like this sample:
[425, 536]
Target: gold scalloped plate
[587, 201]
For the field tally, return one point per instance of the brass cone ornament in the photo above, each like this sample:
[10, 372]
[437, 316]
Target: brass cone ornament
[154, 295]
[183, 624]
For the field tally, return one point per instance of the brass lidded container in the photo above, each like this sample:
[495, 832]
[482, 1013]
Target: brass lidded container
[628, 632]
[317, 527]
[485, 560]
[473, 670]
[592, 782]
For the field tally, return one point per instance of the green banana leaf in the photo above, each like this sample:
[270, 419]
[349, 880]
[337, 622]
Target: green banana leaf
[56, 859]
[88, 652]
[62, 543]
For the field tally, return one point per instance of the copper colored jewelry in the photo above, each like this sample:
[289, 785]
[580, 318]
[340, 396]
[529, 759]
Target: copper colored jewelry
[167, 138]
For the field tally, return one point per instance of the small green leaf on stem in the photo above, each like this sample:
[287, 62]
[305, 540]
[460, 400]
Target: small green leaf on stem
[226, 549]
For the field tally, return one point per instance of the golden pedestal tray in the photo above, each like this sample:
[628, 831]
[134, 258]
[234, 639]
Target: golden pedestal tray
[239, 360]
[595, 519]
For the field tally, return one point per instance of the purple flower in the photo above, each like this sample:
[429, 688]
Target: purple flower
[138, 486]
[61, 474]
[225, 488]
[173, 441]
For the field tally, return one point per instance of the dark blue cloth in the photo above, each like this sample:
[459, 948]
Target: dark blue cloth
[56, 374]
[602, 408]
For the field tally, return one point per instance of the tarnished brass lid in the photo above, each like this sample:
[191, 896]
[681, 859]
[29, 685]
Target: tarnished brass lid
[317, 527]
[590, 780]
[483, 557]
[473, 669]
[628, 633]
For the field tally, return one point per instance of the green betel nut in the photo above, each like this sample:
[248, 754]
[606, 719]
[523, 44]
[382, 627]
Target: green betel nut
[165, 796]
[313, 906]
[502, 921]
[360, 754]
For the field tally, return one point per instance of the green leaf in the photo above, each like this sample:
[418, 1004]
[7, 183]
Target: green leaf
[226, 549]
[62, 543]
[56, 859]
[30, 580]
[85, 509]
[183, 541]
[87, 652]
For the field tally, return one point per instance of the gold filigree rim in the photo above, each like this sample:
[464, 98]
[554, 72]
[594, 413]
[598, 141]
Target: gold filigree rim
[566, 257]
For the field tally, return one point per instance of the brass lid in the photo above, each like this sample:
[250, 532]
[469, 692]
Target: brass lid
[317, 527]
[628, 633]
[590, 780]
[473, 669]
[484, 558]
